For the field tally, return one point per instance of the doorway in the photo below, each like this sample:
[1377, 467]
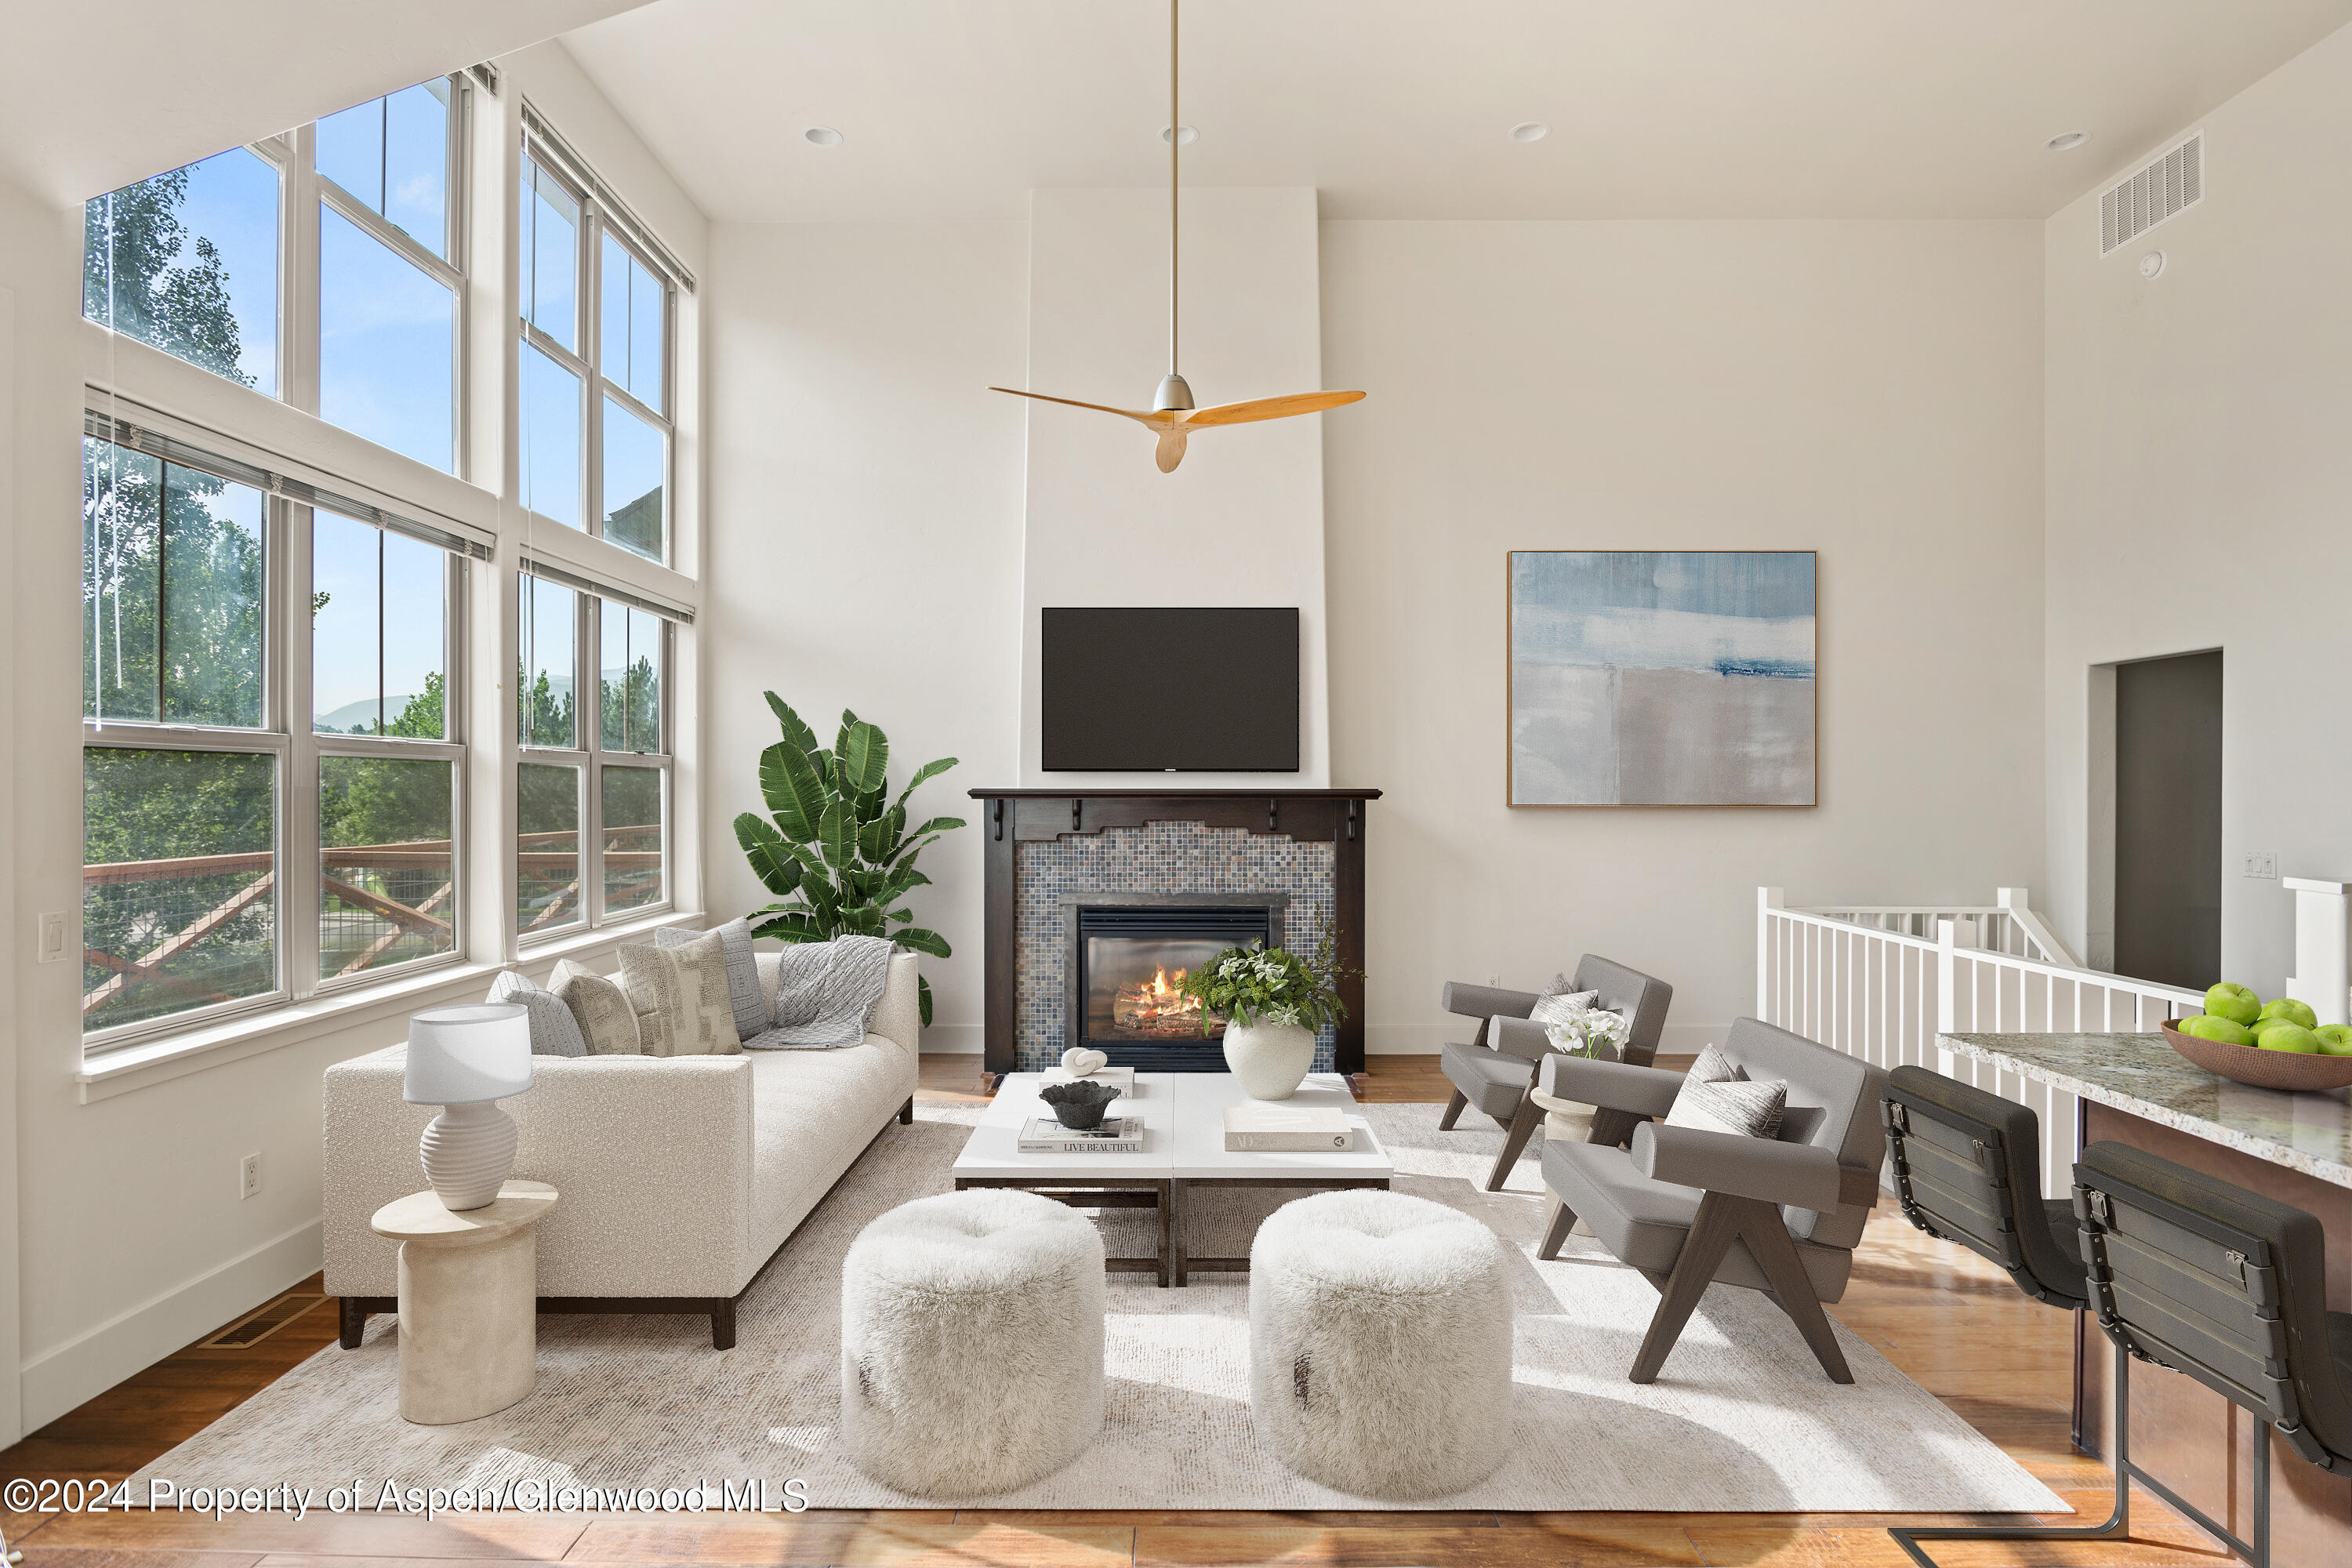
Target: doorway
[2167, 814]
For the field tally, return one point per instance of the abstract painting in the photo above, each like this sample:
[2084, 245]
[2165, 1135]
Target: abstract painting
[1662, 677]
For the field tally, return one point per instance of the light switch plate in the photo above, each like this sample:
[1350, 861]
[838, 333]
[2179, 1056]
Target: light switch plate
[2264, 864]
[52, 939]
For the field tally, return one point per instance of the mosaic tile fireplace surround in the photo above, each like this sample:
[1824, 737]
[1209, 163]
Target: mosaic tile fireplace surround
[1299, 855]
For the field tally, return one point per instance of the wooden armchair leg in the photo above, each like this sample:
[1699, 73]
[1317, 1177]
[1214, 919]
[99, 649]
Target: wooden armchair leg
[1792, 1288]
[1521, 1127]
[1723, 1219]
[1563, 1220]
[1453, 1111]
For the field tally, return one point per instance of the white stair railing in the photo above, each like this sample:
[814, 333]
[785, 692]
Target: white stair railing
[2008, 924]
[1884, 994]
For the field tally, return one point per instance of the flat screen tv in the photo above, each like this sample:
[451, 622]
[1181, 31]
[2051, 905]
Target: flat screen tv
[1170, 690]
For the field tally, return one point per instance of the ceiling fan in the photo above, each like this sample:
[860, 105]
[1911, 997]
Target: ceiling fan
[1173, 414]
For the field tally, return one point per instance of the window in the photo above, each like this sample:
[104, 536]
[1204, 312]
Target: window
[203, 805]
[188, 261]
[594, 424]
[591, 804]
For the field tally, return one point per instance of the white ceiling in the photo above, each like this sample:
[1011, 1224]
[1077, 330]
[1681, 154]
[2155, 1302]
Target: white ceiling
[1658, 108]
[93, 96]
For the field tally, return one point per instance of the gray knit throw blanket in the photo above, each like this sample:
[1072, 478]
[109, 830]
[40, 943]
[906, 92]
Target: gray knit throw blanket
[825, 993]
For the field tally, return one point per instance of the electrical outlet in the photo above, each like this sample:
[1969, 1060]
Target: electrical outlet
[52, 940]
[1494, 981]
[249, 1177]
[2264, 864]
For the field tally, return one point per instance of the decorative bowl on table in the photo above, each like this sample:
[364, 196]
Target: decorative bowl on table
[1078, 1105]
[2261, 1068]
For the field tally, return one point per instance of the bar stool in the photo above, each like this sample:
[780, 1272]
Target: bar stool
[2228, 1286]
[1967, 1168]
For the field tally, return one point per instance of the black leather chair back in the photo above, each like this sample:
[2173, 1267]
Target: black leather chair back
[1967, 1168]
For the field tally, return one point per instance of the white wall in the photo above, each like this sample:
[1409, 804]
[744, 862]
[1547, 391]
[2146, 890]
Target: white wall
[2199, 475]
[1239, 522]
[865, 503]
[1870, 390]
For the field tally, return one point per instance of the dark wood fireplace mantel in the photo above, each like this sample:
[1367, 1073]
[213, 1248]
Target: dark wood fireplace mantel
[1010, 817]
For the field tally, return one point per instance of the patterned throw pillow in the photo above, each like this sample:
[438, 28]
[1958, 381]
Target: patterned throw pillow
[744, 997]
[1718, 1096]
[606, 1020]
[1714, 1067]
[679, 996]
[554, 1032]
[1561, 1006]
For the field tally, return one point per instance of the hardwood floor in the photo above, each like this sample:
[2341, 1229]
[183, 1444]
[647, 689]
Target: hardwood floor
[1945, 1317]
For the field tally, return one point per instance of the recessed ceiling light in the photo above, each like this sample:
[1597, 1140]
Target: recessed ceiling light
[1185, 135]
[1530, 131]
[822, 136]
[2066, 141]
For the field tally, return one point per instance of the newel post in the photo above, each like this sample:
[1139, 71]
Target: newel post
[1766, 901]
[2320, 955]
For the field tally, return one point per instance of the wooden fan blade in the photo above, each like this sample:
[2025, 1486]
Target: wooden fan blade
[1156, 420]
[1269, 408]
[1171, 450]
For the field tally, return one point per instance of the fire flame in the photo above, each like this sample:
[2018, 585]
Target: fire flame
[1160, 986]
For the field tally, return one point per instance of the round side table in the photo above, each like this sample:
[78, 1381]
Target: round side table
[1570, 1121]
[469, 1301]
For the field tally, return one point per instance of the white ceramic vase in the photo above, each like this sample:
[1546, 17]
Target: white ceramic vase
[1270, 1059]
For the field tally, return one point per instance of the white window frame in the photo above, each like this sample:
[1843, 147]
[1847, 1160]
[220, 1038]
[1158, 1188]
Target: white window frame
[589, 757]
[596, 222]
[285, 735]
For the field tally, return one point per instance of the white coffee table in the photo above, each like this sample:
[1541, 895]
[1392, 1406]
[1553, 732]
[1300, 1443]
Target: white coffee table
[1183, 1149]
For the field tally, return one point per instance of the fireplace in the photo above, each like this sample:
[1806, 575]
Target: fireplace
[1127, 953]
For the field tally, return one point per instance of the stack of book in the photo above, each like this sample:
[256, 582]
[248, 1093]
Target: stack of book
[1117, 1135]
[1263, 1127]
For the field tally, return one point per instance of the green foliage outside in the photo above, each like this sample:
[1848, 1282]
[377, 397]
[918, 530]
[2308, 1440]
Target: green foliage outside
[836, 849]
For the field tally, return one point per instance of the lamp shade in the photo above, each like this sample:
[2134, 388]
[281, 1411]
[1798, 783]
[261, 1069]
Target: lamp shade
[465, 1056]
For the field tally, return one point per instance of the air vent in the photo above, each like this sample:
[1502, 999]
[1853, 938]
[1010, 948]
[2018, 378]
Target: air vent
[2170, 185]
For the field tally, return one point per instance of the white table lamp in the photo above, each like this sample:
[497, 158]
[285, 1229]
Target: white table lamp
[466, 1059]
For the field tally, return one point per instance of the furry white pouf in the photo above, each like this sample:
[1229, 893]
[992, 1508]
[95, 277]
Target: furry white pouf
[971, 1343]
[1381, 1343]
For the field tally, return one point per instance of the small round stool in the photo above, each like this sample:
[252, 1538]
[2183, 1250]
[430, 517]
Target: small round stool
[971, 1343]
[1381, 1343]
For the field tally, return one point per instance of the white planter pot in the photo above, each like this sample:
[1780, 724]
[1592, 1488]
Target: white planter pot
[1270, 1059]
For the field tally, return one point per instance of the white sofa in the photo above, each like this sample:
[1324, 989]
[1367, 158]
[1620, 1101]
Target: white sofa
[681, 1177]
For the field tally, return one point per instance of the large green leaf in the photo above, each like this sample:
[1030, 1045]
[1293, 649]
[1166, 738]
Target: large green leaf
[923, 941]
[873, 840]
[835, 838]
[923, 774]
[864, 921]
[791, 928]
[865, 752]
[871, 803]
[923, 993]
[903, 880]
[795, 793]
[796, 730]
[771, 860]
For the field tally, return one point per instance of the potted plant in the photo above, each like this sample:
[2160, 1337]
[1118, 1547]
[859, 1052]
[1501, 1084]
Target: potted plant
[1272, 1001]
[1594, 1033]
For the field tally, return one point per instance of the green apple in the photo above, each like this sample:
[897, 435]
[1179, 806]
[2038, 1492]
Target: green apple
[2210, 1026]
[2289, 1038]
[2335, 1039]
[2293, 1011]
[2234, 1003]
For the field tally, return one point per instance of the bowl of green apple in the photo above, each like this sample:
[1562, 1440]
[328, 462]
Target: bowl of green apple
[2279, 1043]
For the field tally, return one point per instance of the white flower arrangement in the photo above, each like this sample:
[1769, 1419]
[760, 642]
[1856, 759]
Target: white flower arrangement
[1586, 1031]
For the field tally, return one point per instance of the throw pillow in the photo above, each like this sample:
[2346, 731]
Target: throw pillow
[702, 966]
[1562, 1006]
[1714, 1067]
[606, 1020]
[744, 997]
[1749, 1108]
[554, 1032]
[667, 1000]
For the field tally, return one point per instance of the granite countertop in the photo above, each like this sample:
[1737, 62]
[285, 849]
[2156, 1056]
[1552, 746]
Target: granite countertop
[2311, 1132]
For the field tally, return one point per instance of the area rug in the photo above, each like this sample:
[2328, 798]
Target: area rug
[1741, 1420]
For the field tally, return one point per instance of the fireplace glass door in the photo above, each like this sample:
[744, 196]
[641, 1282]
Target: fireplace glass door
[1131, 961]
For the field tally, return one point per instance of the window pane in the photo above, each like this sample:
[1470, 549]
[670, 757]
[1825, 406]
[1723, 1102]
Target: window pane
[387, 885]
[632, 481]
[179, 882]
[632, 828]
[550, 256]
[346, 621]
[630, 345]
[547, 425]
[415, 611]
[122, 570]
[632, 678]
[187, 261]
[393, 154]
[211, 592]
[547, 851]
[548, 648]
[387, 335]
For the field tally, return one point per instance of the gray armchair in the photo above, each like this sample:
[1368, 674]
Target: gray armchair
[1495, 1070]
[1690, 1208]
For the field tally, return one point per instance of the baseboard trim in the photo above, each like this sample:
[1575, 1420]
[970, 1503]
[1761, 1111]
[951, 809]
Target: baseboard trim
[85, 1367]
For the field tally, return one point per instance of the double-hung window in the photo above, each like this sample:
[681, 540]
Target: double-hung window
[234, 855]
[594, 424]
[593, 788]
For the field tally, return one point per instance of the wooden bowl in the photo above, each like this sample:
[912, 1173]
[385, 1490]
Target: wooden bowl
[2261, 1068]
